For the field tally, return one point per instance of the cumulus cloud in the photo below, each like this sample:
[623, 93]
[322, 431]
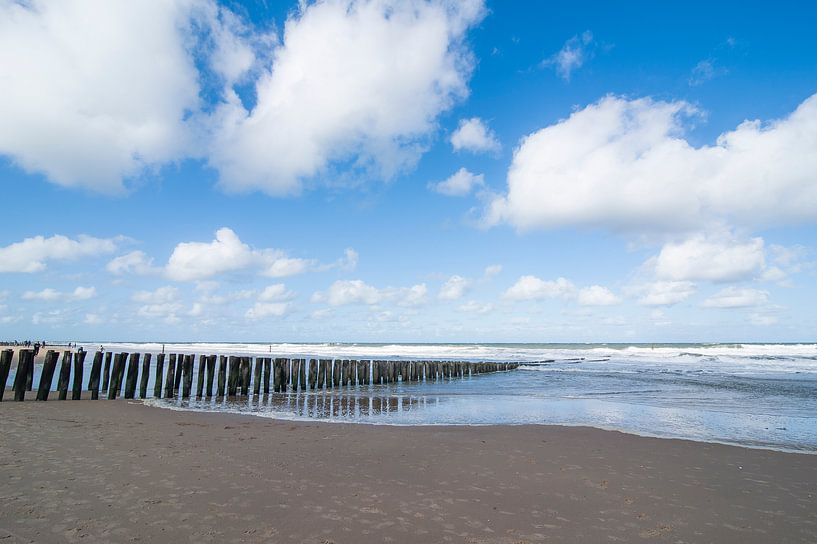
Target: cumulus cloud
[227, 253]
[344, 292]
[735, 297]
[360, 81]
[474, 307]
[84, 100]
[135, 262]
[162, 303]
[533, 288]
[596, 295]
[475, 136]
[412, 296]
[573, 54]
[664, 293]
[716, 259]
[33, 254]
[625, 165]
[157, 296]
[48, 294]
[459, 184]
[454, 288]
[262, 310]
[492, 270]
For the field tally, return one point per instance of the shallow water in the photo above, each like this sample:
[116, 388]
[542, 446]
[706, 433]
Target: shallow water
[747, 394]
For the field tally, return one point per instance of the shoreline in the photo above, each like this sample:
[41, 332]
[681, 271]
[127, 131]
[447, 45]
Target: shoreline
[276, 416]
[112, 472]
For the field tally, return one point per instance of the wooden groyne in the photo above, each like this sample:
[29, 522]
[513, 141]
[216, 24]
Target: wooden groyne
[236, 376]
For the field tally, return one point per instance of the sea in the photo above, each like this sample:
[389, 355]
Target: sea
[753, 395]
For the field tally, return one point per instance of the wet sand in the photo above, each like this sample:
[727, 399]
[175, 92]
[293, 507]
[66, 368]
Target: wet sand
[118, 471]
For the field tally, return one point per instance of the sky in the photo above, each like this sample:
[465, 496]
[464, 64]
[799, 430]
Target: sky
[408, 171]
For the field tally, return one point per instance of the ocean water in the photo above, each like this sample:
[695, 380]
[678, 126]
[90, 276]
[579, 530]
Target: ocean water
[757, 395]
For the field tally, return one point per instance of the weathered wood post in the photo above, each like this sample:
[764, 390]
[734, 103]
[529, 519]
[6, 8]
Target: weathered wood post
[267, 374]
[344, 372]
[321, 373]
[106, 376]
[245, 375]
[171, 376]
[200, 377]
[65, 375]
[79, 367]
[47, 375]
[21, 374]
[375, 372]
[277, 374]
[313, 373]
[256, 376]
[114, 373]
[187, 371]
[30, 372]
[93, 379]
[145, 377]
[222, 375]
[232, 383]
[296, 371]
[132, 375]
[5, 368]
[285, 373]
[160, 372]
[179, 374]
[211, 375]
[302, 375]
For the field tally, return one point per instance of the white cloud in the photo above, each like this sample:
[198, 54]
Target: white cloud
[135, 262]
[762, 320]
[710, 258]
[360, 81]
[160, 295]
[474, 307]
[454, 288]
[492, 271]
[664, 293]
[596, 295]
[460, 183]
[276, 293]
[227, 253]
[533, 288]
[344, 292]
[624, 164]
[48, 294]
[734, 297]
[573, 54]
[33, 254]
[474, 135]
[267, 309]
[93, 319]
[85, 100]
[412, 296]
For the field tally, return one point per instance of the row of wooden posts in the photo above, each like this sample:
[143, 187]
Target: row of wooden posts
[234, 376]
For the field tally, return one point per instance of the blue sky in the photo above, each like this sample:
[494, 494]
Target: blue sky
[408, 171]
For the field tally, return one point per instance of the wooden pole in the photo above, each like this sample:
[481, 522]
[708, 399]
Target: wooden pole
[171, 376]
[5, 368]
[30, 372]
[114, 384]
[277, 375]
[65, 375]
[187, 372]
[143, 384]
[47, 375]
[93, 379]
[106, 376]
[21, 374]
[132, 375]
[256, 376]
[296, 371]
[245, 375]
[232, 383]
[313, 373]
[267, 374]
[222, 375]
[79, 368]
[211, 371]
[200, 377]
[179, 374]
[160, 372]
[321, 373]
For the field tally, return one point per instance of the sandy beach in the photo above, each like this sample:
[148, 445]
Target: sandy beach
[123, 472]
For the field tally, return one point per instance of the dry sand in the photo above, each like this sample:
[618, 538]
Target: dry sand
[118, 471]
